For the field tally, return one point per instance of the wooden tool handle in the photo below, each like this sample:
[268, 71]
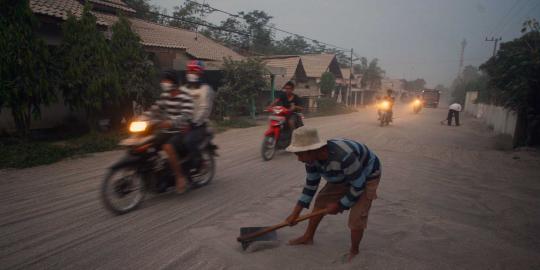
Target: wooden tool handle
[279, 226]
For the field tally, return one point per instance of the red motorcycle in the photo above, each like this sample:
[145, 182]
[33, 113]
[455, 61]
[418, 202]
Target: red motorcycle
[278, 135]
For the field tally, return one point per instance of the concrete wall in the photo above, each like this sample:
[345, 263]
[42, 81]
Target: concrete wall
[502, 120]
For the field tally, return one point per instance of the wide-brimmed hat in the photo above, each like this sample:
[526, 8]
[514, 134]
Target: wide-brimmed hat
[305, 139]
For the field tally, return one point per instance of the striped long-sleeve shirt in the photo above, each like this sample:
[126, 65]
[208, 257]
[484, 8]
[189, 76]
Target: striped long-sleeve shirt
[348, 162]
[177, 108]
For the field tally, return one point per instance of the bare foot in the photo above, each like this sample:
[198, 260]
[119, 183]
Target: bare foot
[181, 186]
[302, 240]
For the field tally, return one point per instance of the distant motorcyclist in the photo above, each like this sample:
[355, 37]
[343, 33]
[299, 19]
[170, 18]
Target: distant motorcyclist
[292, 102]
[203, 99]
[390, 99]
[176, 107]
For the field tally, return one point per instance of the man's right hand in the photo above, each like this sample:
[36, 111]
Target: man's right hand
[291, 219]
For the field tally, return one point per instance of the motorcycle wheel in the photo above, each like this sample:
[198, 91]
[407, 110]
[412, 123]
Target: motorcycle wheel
[268, 148]
[125, 193]
[205, 174]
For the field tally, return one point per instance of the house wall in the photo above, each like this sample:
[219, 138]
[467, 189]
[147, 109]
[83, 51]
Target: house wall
[502, 120]
[166, 58]
[51, 116]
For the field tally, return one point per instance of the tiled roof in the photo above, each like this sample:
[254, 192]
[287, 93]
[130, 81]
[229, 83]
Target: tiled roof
[316, 64]
[290, 64]
[197, 45]
[151, 34]
[59, 8]
[118, 4]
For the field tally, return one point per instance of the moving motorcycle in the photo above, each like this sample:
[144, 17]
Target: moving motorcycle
[145, 167]
[278, 136]
[385, 113]
[417, 105]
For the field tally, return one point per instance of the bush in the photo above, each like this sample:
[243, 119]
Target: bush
[329, 106]
[20, 153]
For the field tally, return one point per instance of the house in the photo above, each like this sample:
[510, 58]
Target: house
[294, 71]
[305, 71]
[169, 47]
[316, 65]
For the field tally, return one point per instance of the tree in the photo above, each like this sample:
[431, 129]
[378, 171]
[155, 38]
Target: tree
[371, 73]
[258, 23]
[25, 81]
[440, 87]
[144, 10]
[242, 82]
[232, 40]
[90, 79]
[292, 45]
[470, 79]
[328, 83]
[188, 16]
[138, 76]
[514, 82]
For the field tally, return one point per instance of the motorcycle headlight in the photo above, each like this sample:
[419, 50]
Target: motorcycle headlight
[138, 126]
[385, 105]
[417, 102]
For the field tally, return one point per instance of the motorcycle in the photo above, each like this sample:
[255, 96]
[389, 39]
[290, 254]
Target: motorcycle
[417, 106]
[278, 135]
[385, 114]
[145, 167]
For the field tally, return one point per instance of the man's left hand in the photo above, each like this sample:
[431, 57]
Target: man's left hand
[334, 208]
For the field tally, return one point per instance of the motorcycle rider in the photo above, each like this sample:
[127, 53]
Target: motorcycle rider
[203, 99]
[292, 102]
[391, 101]
[176, 106]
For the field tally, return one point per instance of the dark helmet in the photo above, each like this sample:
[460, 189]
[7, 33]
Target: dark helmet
[290, 83]
[170, 75]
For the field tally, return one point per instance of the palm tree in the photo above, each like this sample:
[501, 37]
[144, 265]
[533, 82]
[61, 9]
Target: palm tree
[372, 73]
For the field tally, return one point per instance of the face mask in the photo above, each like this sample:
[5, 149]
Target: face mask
[166, 86]
[192, 77]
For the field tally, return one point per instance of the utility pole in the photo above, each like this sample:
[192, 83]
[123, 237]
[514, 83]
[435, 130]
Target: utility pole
[463, 44]
[350, 80]
[496, 40]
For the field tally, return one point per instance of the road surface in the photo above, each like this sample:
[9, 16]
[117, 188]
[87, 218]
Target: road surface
[447, 200]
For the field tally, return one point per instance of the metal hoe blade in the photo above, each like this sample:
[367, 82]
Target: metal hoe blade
[270, 236]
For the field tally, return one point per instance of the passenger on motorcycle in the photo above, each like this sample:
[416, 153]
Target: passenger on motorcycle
[203, 99]
[292, 102]
[176, 107]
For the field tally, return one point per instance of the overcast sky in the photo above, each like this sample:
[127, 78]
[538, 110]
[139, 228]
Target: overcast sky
[412, 38]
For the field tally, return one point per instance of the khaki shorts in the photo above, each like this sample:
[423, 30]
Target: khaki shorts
[358, 215]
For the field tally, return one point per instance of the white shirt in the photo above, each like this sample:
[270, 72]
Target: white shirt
[203, 99]
[455, 107]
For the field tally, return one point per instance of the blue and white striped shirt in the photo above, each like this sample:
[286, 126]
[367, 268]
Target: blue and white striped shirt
[348, 162]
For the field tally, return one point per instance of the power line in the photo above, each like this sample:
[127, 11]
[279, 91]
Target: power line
[269, 26]
[503, 19]
[516, 16]
[201, 23]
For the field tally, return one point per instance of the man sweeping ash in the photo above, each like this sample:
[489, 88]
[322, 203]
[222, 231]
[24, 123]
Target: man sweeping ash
[352, 172]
